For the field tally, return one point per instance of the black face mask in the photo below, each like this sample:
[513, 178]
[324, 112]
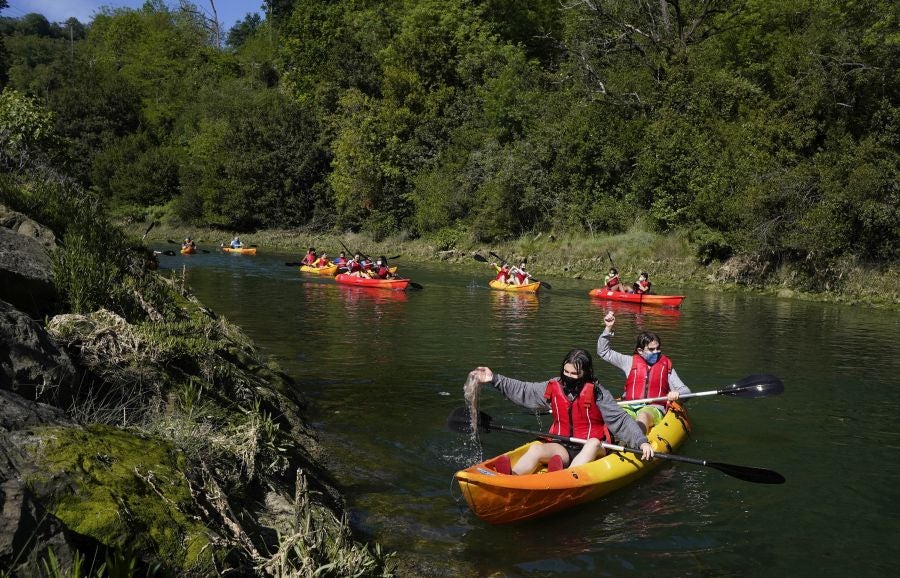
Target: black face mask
[572, 385]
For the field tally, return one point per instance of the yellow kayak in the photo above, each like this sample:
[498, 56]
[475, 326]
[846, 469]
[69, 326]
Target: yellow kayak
[527, 288]
[502, 499]
[328, 270]
[241, 250]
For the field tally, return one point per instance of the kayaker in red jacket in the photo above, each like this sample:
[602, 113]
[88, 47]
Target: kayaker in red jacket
[612, 281]
[322, 261]
[648, 373]
[381, 269]
[355, 266]
[575, 387]
[503, 272]
[643, 284]
[310, 257]
[520, 275]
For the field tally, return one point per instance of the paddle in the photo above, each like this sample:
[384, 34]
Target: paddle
[501, 259]
[459, 422]
[752, 386]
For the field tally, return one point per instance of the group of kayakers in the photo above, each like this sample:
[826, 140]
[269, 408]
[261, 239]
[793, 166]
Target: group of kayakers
[583, 408]
[641, 286]
[358, 266]
[512, 275]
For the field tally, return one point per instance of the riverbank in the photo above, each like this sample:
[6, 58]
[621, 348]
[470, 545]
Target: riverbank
[670, 260]
[144, 434]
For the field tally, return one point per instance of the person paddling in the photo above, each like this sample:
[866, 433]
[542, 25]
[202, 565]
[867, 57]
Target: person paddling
[310, 258]
[575, 388]
[381, 269]
[612, 281]
[648, 373]
[520, 275]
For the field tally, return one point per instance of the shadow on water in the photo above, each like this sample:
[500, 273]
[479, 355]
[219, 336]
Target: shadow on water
[383, 371]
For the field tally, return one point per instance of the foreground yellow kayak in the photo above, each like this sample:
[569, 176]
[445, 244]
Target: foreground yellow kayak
[502, 499]
[527, 288]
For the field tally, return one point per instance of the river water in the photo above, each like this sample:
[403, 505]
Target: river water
[383, 370]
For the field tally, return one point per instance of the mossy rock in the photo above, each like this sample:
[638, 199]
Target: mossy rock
[125, 490]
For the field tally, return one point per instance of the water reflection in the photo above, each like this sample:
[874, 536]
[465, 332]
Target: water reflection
[646, 317]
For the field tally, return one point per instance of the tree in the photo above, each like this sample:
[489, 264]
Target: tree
[244, 29]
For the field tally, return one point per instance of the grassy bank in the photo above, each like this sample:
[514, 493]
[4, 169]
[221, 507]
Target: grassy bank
[670, 260]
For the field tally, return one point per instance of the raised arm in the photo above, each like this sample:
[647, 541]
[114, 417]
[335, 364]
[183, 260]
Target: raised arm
[604, 349]
[528, 394]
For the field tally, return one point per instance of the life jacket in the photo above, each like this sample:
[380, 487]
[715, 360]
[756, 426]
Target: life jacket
[643, 287]
[309, 259]
[321, 262]
[579, 418]
[382, 272]
[522, 276]
[612, 282]
[340, 261]
[503, 275]
[354, 266]
[644, 381]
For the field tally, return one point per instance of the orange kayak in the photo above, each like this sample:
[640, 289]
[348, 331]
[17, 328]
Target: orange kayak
[527, 288]
[642, 298]
[328, 270]
[394, 284]
[502, 499]
[188, 250]
[241, 250]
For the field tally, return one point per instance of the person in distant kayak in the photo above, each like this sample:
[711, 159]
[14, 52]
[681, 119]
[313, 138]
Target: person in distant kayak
[355, 266]
[322, 261]
[503, 272]
[648, 373]
[236, 243]
[520, 275]
[597, 416]
[341, 260]
[188, 243]
[643, 284]
[612, 281]
[310, 258]
[381, 269]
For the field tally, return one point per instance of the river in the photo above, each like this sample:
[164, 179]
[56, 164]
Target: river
[383, 370]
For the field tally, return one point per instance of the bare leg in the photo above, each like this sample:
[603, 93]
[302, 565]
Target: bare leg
[539, 454]
[591, 450]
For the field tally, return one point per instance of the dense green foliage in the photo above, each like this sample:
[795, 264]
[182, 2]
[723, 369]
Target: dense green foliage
[759, 127]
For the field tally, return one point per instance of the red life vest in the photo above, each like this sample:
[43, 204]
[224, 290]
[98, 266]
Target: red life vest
[579, 418]
[382, 272]
[354, 266]
[612, 282]
[522, 276]
[643, 287]
[644, 381]
[503, 275]
[309, 259]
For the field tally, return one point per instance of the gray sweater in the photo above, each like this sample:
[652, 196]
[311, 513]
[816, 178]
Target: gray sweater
[530, 394]
[624, 362]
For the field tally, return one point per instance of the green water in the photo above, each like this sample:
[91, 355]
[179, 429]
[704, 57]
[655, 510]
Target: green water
[383, 370]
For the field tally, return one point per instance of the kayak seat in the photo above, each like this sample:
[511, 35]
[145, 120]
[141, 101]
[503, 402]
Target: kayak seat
[503, 465]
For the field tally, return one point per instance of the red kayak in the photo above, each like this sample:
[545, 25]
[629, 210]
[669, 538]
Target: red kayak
[642, 298]
[394, 284]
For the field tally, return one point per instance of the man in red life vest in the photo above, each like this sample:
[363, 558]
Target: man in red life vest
[310, 257]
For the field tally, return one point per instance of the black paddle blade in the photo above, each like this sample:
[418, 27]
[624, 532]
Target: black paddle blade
[757, 385]
[415, 285]
[293, 264]
[479, 258]
[173, 242]
[169, 253]
[459, 421]
[748, 474]
[545, 284]
[497, 257]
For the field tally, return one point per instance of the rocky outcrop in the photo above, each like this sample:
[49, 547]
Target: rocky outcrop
[31, 362]
[26, 277]
[27, 530]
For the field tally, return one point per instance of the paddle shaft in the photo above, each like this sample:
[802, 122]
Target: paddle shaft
[757, 385]
[746, 473]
